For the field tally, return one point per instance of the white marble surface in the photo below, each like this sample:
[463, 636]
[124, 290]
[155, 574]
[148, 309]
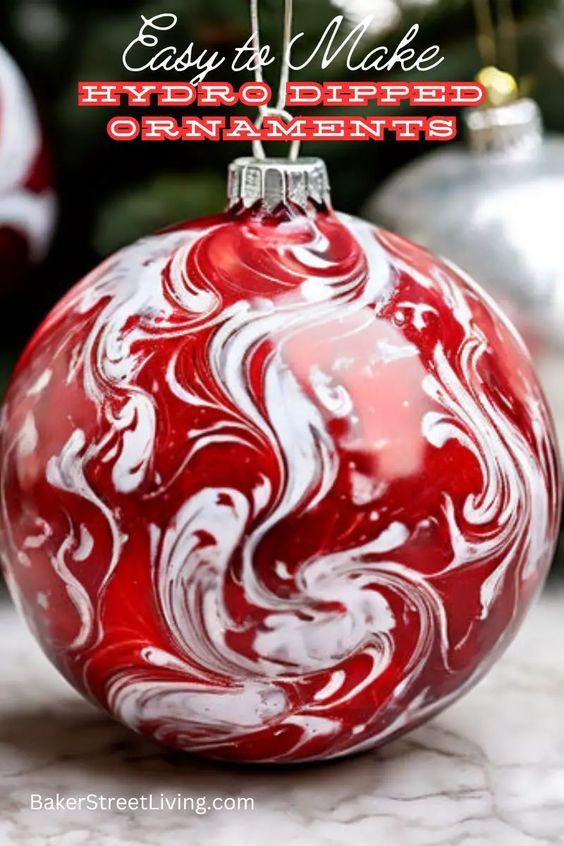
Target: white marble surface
[488, 771]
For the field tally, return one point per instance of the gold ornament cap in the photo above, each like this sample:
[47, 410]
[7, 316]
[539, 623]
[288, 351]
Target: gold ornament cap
[501, 87]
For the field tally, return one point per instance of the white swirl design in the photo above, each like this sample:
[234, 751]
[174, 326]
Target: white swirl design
[327, 479]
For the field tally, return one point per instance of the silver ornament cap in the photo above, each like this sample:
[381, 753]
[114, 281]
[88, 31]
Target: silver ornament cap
[511, 128]
[274, 181]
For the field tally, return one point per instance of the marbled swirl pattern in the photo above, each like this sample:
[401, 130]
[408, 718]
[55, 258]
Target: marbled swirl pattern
[276, 488]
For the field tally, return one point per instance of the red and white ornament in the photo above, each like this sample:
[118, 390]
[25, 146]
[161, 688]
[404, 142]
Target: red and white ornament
[27, 203]
[277, 485]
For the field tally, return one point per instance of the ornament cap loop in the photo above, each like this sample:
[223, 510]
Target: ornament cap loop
[274, 181]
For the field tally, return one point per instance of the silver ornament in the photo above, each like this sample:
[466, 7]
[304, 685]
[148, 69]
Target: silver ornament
[494, 206]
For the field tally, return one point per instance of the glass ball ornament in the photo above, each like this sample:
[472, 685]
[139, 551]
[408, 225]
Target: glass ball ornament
[27, 202]
[277, 485]
[492, 207]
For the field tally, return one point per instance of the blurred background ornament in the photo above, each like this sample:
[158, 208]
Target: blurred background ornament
[27, 203]
[493, 206]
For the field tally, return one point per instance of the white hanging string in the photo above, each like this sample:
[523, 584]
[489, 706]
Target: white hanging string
[280, 108]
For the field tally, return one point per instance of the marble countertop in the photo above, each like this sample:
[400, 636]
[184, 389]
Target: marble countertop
[488, 771]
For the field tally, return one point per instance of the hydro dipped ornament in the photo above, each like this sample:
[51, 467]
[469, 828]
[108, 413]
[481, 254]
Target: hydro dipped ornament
[27, 204]
[277, 485]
